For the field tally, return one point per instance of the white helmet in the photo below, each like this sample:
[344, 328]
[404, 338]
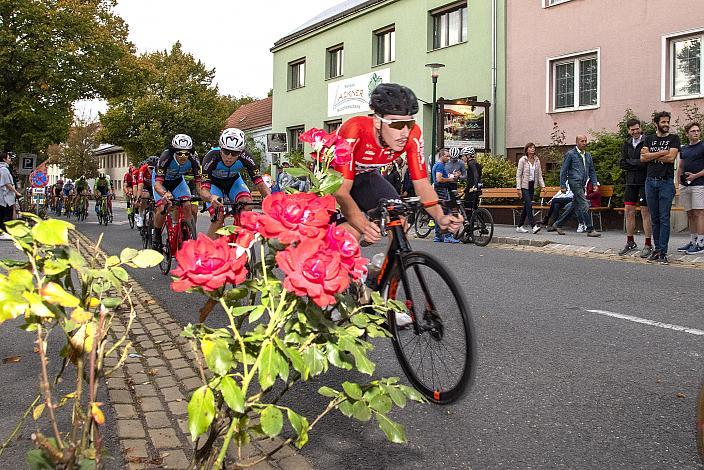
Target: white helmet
[182, 142]
[469, 151]
[232, 139]
[68, 181]
[454, 152]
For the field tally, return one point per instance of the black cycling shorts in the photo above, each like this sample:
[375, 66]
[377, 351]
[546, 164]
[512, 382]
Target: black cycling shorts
[635, 194]
[367, 190]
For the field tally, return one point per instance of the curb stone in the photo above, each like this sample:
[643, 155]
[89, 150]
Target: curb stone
[150, 392]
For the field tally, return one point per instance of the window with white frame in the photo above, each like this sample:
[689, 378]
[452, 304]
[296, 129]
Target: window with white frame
[293, 134]
[296, 74]
[575, 82]
[686, 65]
[334, 59]
[385, 45]
[450, 26]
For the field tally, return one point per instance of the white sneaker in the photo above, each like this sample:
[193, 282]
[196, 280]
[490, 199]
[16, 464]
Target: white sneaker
[138, 220]
[536, 228]
[582, 228]
[521, 230]
[403, 319]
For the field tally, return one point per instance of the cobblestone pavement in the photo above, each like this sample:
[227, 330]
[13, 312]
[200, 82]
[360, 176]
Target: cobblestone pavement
[150, 392]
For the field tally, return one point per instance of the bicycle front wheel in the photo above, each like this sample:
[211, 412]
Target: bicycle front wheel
[437, 350]
[422, 224]
[165, 264]
[482, 226]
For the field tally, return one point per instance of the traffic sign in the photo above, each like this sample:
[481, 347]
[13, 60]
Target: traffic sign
[38, 179]
[28, 162]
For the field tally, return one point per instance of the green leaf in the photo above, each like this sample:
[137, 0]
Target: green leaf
[52, 232]
[17, 228]
[36, 460]
[300, 425]
[86, 464]
[397, 396]
[38, 410]
[394, 431]
[353, 390]
[297, 172]
[361, 412]
[330, 183]
[76, 259]
[354, 331]
[381, 403]
[120, 273]
[346, 408]
[128, 254]
[272, 420]
[232, 393]
[147, 258]
[268, 366]
[412, 393]
[257, 313]
[315, 361]
[112, 261]
[54, 267]
[362, 362]
[360, 319]
[201, 411]
[328, 392]
[335, 358]
[217, 355]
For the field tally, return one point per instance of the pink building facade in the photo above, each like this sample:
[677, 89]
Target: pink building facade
[582, 63]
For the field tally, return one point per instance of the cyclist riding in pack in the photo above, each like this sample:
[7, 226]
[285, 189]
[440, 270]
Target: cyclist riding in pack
[144, 187]
[128, 181]
[221, 175]
[168, 179]
[68, 191]
[57, 190]
[103, 187]
[377, 141]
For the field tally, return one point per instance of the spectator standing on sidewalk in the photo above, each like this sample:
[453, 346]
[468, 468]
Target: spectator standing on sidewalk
[690, 174]
[393, 174]
[473, 189]
[635, 189]
[577, 168]
[440, 182]
[528, 174]
[8, 193]
[659, 152]
[456, 167]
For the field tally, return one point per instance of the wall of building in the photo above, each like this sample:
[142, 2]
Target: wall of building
[629, 38]
[467, 72]
[114, 165]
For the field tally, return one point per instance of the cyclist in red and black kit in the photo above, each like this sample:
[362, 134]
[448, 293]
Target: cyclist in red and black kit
[144, 187]
[377, 141]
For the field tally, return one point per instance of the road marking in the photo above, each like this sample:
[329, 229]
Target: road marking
[645, 321]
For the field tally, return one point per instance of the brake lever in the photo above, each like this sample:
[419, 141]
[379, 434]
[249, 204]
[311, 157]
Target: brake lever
[382, 222]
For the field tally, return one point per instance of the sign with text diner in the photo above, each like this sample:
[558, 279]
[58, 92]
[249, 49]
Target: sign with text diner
[351, 95]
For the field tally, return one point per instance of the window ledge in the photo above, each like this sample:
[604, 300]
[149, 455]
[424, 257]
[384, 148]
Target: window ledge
[297, 88]
[570, 110]
[684, 98]
[445, 47]
[334, 78]
[384, 63]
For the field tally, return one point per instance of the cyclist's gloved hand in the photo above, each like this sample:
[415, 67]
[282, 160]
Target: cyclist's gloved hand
[215, 200]
[450, 223]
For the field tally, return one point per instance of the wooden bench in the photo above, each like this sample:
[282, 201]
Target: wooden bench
[674, 208]
[491, 194]
[606, 191]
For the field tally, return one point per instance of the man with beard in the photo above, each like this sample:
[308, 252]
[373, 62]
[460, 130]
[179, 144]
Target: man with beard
[659, 152]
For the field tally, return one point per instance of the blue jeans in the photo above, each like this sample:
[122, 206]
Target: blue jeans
[579, 205]
[659, 194]
[527, 196]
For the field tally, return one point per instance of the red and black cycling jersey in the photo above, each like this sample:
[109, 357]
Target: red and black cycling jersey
[216, 172]
[168, 170]
[128, 180]
[368, 155]
[144, 176]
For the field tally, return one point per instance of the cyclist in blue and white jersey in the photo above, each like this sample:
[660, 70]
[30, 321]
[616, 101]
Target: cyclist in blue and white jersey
[221, 176]
[168, 180]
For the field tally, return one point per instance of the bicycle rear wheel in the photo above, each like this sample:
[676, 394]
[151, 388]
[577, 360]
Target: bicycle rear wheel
[165, 264]
[146, 230]
[422, 224]
[482, 226]
[130, 217]
[437, 352]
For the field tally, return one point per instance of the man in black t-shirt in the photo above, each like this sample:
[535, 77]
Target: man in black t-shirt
[659, 152]
[690, 174]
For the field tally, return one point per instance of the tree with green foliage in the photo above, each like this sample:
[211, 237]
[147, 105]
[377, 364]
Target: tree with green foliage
[76, 156]
[176, 95]
[52, 53]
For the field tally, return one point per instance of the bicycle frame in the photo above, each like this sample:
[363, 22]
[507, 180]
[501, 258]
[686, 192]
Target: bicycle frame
[174, 229]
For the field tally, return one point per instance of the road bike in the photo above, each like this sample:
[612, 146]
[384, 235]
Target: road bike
[81, 207]
[130, 211]
[478, 227]
[145, 230]
[102, 210]
[437, 351]
[423, 224]
[178, 230]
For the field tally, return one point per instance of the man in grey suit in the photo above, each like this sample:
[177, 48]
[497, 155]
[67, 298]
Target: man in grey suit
[577, 168]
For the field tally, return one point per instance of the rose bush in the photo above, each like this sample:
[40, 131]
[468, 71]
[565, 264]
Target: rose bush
[303, 314]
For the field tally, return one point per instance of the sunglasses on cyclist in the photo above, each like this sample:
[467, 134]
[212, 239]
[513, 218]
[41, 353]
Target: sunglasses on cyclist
[183, 153]
[398, 124]
[231, 153]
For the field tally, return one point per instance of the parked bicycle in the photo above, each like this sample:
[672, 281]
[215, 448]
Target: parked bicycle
[437, 350]
[178, 229]
[423, 224]
[478, 227]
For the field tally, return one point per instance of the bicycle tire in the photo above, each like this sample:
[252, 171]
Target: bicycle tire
[700, 423]
[130, 218]
[146, 230]
[165, 265]
[481, 226]
[421, 226]
[437, 390]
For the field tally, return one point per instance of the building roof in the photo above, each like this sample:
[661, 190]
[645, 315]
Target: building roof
[104, 149]
[339, 11]
[251, 116]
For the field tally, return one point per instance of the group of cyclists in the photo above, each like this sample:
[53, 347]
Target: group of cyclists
[65, 197]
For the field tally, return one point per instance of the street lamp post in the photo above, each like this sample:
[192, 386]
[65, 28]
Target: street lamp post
[434, 72]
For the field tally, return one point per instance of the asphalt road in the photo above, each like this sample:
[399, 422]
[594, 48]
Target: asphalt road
[557, 386]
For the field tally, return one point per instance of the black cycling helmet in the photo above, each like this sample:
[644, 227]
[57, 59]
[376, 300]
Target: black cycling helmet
[392, 98]
[152, 161]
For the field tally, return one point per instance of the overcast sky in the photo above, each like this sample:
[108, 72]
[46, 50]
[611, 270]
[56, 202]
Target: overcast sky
[232, 36]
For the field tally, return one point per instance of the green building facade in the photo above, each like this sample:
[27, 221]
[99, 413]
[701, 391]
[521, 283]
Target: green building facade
[324, 70]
